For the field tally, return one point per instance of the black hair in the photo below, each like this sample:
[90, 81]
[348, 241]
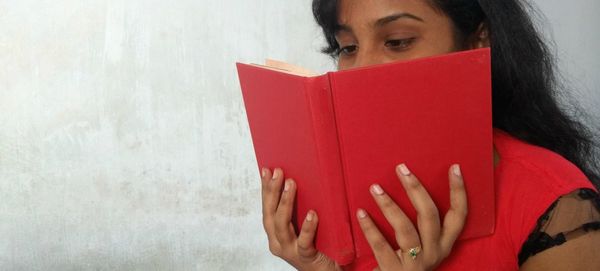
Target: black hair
[525, 87]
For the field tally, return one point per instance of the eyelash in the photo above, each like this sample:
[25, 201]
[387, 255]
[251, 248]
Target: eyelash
[399, 45]
[344, 50]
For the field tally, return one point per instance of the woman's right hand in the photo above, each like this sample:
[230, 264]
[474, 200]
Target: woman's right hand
[277, 208]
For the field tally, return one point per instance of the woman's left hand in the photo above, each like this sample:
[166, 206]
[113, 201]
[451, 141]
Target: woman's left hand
[425, 248]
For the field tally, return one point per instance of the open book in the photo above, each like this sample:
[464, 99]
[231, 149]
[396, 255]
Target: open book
[336, 134]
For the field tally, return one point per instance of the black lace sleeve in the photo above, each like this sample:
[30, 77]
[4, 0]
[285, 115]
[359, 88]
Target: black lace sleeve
[569, 217]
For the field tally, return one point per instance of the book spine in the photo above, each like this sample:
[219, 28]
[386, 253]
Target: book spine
[319, 94]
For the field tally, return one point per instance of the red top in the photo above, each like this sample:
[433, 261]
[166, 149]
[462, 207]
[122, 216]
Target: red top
[528, 180]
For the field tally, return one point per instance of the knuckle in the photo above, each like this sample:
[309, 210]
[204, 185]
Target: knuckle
[461, 212]
[405, 229]
[284, 200]
[268, 226]
[275, 249]
[386, 203]
[458, 186]
[413, 183]
[366, 227]
[430, 213]
[379, 244]
[303, 246]
[306, 230]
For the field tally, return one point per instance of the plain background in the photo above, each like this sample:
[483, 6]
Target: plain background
[123, 139]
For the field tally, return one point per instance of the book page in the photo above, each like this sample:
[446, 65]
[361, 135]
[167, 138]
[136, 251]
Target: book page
[286, 68]
[289, 67]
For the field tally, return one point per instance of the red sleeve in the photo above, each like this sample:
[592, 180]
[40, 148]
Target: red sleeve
[528, 183]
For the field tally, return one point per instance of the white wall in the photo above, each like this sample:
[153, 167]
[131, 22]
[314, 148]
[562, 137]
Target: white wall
[575, 28]
[123, 140]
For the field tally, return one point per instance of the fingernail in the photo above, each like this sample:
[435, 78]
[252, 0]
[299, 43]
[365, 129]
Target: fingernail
[288, 185]
[456, 170]
[377, 189]
[361, 213]
[263, 172]
[309, 216]
[403, 170]
[275, 174]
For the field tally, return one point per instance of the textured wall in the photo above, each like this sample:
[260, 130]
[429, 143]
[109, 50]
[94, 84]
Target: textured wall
[123, 140]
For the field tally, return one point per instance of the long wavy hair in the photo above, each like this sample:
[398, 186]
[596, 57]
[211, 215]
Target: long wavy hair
[524, 81]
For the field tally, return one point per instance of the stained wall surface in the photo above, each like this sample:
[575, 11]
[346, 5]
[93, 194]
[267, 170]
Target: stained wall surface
[123, 138]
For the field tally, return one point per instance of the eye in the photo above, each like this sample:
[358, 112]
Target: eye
[347, 50]
[399, 44]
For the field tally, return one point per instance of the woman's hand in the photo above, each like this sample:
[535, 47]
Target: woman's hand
[424, 247]
[277, 207]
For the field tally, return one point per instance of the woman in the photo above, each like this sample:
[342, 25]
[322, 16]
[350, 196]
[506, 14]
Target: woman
[547, 205]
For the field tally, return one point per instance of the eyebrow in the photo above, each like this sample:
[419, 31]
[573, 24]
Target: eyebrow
[382, 21]
[388, 19]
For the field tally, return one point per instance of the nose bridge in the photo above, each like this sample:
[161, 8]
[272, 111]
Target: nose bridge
[367, 55]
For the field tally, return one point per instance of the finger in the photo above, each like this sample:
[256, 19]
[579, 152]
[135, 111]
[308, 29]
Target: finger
[454, 220]
[376, 269]
[284, 230]
[406, 234]
[273, 189]
[271, 195]
[384, 254]
[270, 187]
[265, 179]
[306, 247]
[428, 220]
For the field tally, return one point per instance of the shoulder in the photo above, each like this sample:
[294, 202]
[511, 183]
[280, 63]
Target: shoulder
[528, 180]
[523, 165]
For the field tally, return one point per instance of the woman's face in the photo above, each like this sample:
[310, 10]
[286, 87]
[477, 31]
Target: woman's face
[381, 31]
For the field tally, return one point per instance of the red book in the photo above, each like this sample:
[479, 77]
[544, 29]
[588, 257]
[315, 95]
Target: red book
[338, 133]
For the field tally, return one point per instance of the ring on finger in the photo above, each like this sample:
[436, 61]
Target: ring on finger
[414, 252]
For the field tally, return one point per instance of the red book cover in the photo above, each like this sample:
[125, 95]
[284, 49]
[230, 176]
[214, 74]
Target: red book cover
[338, 133]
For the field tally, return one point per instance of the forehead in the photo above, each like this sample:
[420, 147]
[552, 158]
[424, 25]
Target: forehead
[356, 12]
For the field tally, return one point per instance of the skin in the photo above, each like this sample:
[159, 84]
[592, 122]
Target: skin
[376, 32]
[370, 35]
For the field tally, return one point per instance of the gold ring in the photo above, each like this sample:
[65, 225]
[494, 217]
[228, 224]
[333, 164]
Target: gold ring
[413, 252]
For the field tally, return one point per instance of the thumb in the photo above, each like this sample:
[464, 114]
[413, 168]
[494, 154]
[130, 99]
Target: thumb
[306, 247]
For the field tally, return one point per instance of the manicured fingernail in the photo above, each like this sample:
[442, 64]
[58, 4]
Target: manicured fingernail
[361, 213]
[309, 216]
[377, 189]
[456, 170]
[275, 174]
[288, 185]
[403, 170]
